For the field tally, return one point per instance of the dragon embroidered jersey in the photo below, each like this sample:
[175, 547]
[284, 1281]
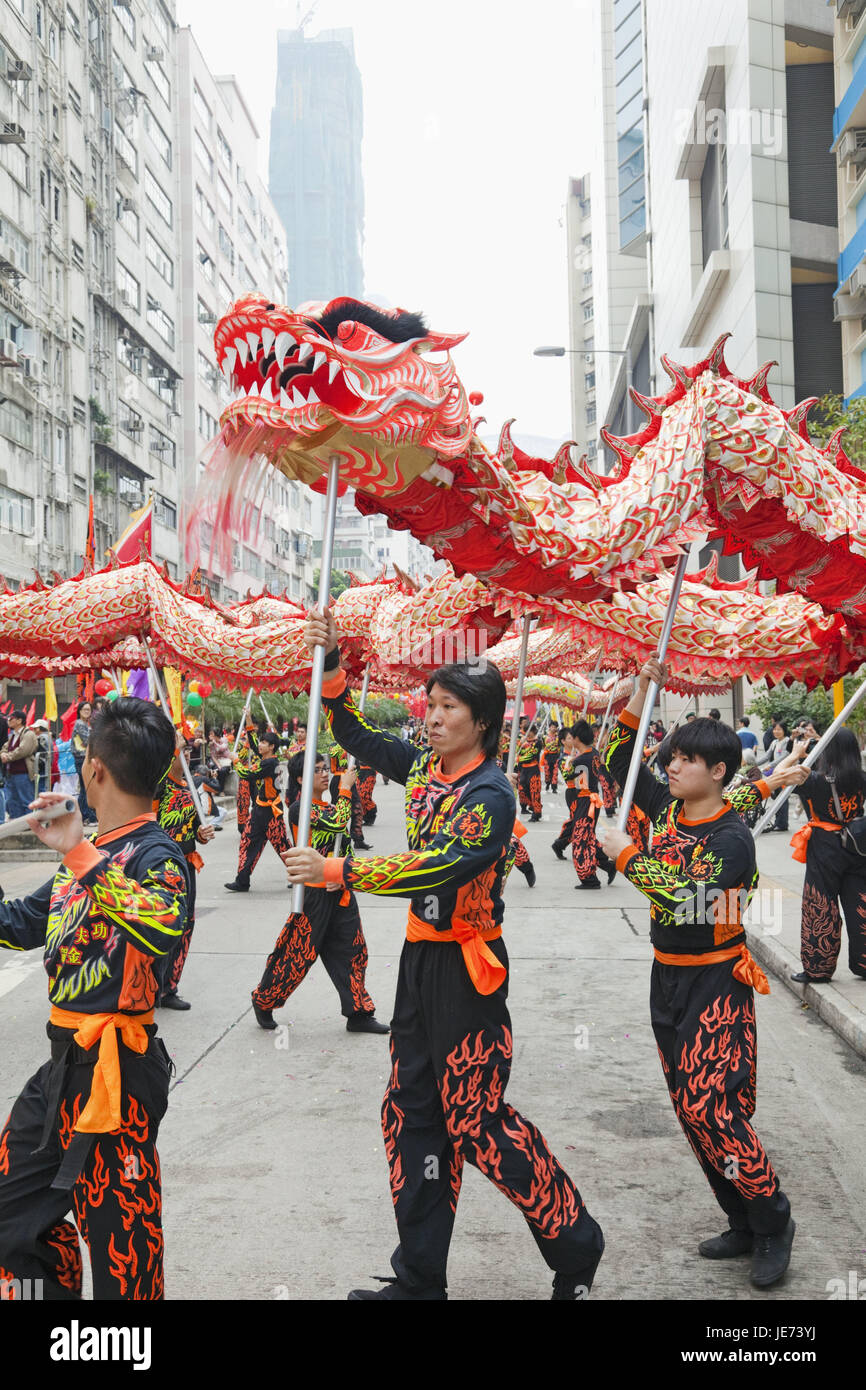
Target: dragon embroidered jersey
[327, 821]
[699, 875]
[108, 920]
[816, 794]
[459, 827]
[248, 762]
[176, 813]
[528, 752]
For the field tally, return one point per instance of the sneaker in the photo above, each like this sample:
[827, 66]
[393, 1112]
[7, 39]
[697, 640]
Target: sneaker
[557, 851]
[264, 1017]
[727, 1246]
[590, 883]
[536, 816]
[238, 887]
[393, 1290]
[365, 1023]
[174, 1001]
[771, 1256]
[803, 979]
[361, 844]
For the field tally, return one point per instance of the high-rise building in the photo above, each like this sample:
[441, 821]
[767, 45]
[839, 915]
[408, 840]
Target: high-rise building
[316, 180]
[849, 144]
[581, 313]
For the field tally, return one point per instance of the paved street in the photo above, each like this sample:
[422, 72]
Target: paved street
[274, 1176]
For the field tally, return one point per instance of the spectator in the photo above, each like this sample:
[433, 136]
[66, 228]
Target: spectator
[80, 737]
[768, 733]
[714, 714]
[44, 755]
[19, 758]
[745, 735]
[220, 756]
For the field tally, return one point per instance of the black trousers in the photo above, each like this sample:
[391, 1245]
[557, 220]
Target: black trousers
[834, 875]
[327, 929]
[109, 1182]
[261, 827]
[703, 1019]
[451, 1059]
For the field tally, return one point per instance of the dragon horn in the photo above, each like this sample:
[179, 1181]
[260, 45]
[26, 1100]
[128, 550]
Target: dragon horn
[677, 374]
[624, 450]
[716, 359]
[506, 443]
[758, 383]
[797, 416]
[648, 404]
[834, 443]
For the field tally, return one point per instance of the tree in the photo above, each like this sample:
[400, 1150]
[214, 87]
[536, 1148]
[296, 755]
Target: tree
[831, 412]
[339, 581]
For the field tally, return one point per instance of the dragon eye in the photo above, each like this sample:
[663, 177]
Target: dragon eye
[346, 328]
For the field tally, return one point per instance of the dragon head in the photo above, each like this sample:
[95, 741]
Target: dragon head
[343, 377]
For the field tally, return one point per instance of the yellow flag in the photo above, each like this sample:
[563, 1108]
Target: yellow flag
[50, 699]
[174, 686]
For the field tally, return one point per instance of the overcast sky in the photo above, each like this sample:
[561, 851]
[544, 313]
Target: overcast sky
[476, 113]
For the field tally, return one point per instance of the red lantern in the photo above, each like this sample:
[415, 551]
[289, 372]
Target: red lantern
[102, 687]
[204, 689]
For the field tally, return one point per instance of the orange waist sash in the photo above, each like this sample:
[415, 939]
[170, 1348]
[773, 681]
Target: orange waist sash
[747, 970]
[102, 1113]
[485, 971]
[801, 837]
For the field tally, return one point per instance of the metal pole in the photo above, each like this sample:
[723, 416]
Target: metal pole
[166, 709]
[267, 716]
[773, 810]
[305, 801]
[351, 760]
[243, 720]
[592, 680]
[48, 813]
[518, 694]
[654, 754]
[629, 403]
[652, 691]
[607, 711]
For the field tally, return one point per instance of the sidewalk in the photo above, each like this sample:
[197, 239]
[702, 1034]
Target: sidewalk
[776, 943]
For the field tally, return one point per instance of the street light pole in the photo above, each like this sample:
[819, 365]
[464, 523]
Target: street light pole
[631, 419]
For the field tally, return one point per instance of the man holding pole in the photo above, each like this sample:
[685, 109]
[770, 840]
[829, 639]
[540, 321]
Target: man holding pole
[699, 876]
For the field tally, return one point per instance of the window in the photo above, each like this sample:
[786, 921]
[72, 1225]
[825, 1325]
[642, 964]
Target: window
[157, 135]
[160, 22]
[157, 196]
[74, 99]
[714, 201]
[125, 149]
[78, 333]
[18, 244]
[207, 372]
[79, 411]
[156, 73]
[205, 313]
[130, 354]
[160, 321]
[590, 414]
[248, 195]
[204, 209]
[57, 204]
[202, 109]
[202, 154]
[226, 292]
[227, 246]
[128, 287]
[129, 488]
[587, 310]
[224, 193]
[162, 446]
[38, 15]
[161, 381]
[73, 23]
[158, 258]
[76, 178]
[165, 512]
[245, 275]
[246, 231]
[77, 255]
[126, 20]
[16, 509]
[208, 269]
[128, 217]
[208, 425]
[130, 422]
[225, 149]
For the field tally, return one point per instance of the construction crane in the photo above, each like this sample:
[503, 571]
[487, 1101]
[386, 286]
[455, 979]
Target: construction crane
[301, 24]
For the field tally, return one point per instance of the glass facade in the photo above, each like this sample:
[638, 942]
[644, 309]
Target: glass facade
[628, 72]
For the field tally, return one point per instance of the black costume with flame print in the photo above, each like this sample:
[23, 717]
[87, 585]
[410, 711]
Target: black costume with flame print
[451, 1046]
[698, 877]
[835, 876]
[177, 814]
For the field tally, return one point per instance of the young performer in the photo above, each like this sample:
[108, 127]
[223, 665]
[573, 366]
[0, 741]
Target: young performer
[451, 1033]
[177, 815]
[566, 832]
[330, 926]
[266, 815]
[339, 762]
[698, 877]
[528, 763]
[247, 764]
[550, 756]
[366, 785]
[82, 1134]
[587, 855]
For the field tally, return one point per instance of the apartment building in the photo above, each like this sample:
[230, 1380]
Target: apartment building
[849, 146]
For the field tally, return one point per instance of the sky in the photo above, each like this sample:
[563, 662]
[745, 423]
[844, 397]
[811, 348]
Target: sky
[476, 114]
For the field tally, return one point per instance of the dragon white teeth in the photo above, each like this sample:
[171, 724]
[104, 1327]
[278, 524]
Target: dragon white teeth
[267, 390]
[253, 340]
[304, 351]
[283, 343]
[254, 390]
[268, 336]
[318, 361]
[284, 401]
[230, 357]
[333, 368]
[312, 398]
[297, 398]
[243, 350]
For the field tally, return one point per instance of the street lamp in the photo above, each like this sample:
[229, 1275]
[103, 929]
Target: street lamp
[631, 422]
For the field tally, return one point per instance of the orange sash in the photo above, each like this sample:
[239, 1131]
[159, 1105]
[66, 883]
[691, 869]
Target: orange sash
[102, 1113]
[801, 837]
[485, 971]
[195, 859]
[747, 969]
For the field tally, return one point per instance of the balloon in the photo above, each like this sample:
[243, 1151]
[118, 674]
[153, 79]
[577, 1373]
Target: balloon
[205, 689]
[193, 687]
[112, 694]
[102, 687]
[193, 699]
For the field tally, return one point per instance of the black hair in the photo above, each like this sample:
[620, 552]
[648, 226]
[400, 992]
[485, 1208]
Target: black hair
[782, 725]
[714, 714]
[711, 741]
[397, 327]
[17, 714]
[483, 690]
[665, 753]
[744, 719]
[296, 765]
[840, 763]
[582, 730]
[135, 741]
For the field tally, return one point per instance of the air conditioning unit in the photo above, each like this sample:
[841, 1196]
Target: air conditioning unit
[852, 147]
[127, 205]
[11, 133]
[17, 70]
[7, 257]
[133, 426]
[857, 279]
[127, 299]
[153, 54]
[33, 370]
[8, 352]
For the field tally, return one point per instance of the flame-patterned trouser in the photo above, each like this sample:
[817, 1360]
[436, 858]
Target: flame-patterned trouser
[243, 801]
[258, 830]
[451, 1059]
[529, 787]
[365, 784]
[703, 1019]
[179, 953]
[586, 853]
[323, 929]
[834, 875]
[551, 770]
[115, 1201]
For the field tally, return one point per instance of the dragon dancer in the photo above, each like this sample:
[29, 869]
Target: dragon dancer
[81, 1137]
[177, 814]
[330, 925]
[265, 821]
[586, 853]
[451, 1041]
[550, 756]
[699, 876]
[528, 764]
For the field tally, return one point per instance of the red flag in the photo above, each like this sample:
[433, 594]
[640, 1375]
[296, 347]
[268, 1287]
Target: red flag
[68, 719]
[31, 713]
[90, 546]
[139, 532]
